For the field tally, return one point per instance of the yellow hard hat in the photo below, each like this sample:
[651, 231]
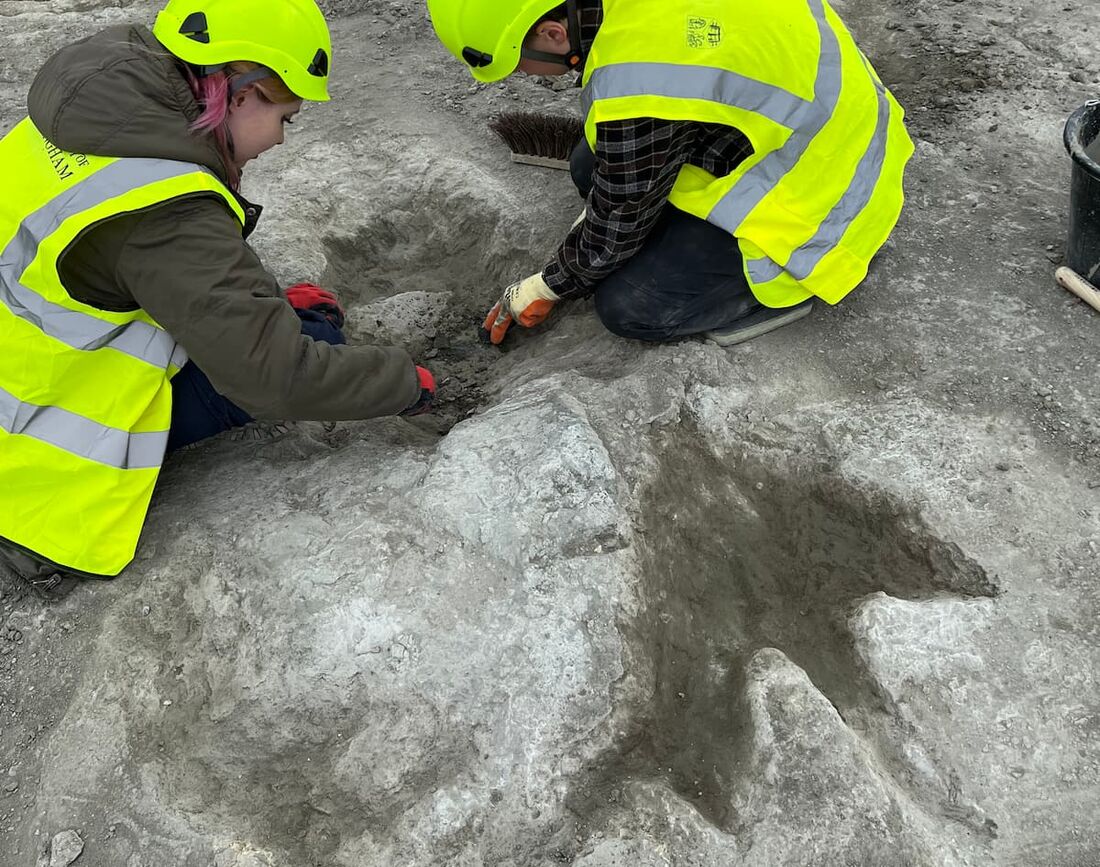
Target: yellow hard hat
[487, 35]
[290, 37]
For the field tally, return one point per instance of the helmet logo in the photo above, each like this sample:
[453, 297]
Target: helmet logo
[476, 58]
[194, 27]
[319, 67]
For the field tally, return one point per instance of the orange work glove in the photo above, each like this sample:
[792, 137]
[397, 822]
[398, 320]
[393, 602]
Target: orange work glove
[528, 302]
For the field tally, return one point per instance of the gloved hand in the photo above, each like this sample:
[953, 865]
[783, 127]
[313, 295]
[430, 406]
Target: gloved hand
[427, 393]
[529, 302]
[307, 296]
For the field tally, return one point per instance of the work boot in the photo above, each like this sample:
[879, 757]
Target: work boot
[760, 321]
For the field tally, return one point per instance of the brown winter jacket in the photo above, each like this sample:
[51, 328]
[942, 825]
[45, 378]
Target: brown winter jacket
[185, 262]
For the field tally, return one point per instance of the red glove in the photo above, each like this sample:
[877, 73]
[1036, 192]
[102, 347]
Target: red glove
[427, 393]
[307, 296]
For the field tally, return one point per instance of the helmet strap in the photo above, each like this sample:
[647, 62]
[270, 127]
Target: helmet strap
[239, 82]
[575, 57]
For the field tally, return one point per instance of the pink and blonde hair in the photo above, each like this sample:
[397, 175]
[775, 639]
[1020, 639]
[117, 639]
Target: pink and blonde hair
[212, 92]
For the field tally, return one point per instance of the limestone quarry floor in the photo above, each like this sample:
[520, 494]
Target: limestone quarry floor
[832, 597]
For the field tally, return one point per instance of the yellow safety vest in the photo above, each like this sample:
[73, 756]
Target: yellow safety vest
[85, 396]
[823, 187]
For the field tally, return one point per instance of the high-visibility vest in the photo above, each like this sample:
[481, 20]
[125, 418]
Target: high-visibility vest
[823, 187]
[85, 394]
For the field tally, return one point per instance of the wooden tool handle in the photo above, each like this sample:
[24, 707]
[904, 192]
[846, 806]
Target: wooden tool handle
[1079, 286]
[544, 162]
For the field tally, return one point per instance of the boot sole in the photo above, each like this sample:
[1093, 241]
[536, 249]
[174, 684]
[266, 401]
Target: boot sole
[739, 334]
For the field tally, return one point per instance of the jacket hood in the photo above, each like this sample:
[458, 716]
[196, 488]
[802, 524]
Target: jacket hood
[119, 93]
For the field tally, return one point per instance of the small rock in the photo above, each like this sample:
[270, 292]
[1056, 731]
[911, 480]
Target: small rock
[1003, 466]
[1078, 76]
[65, 848]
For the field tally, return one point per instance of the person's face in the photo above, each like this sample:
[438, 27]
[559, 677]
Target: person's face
[552, 37]
[256, 124]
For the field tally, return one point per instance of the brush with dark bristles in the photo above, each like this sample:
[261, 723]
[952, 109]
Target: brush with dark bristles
[538, 139]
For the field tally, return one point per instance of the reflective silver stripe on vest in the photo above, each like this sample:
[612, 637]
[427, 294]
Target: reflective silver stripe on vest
[179, 356]
[806, 258]
[751, 189]
[679, 81]
[806, 119]
[81, 436]
[74, 328]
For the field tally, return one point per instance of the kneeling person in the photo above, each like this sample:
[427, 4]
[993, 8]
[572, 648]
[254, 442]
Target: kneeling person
[739, 160]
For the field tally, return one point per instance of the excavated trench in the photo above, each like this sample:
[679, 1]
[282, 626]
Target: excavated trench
[440, 331]
[424, 283]
[739, 556]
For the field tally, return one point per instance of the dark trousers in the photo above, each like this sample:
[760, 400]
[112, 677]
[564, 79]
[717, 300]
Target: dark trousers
[198, 411]
[687, 278]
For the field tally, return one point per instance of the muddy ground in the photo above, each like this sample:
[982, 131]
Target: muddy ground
[905, 489]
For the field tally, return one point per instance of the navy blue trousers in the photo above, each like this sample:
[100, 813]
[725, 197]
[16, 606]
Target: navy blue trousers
[198, 411]
[686, 279]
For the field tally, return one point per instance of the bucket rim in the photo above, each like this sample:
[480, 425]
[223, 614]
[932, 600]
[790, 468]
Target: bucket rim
[1071, 136]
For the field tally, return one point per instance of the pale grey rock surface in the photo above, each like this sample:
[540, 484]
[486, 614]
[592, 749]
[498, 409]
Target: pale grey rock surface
[829, 598]
[62, 850]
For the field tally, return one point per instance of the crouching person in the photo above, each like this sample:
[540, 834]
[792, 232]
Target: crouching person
[134, 316]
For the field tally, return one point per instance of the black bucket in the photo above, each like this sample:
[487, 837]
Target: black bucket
[1082, 137]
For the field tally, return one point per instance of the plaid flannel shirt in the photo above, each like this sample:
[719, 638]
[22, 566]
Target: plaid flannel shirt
[637, 162]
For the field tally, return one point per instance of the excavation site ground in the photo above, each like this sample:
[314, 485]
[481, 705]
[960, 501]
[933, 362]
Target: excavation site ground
[831, 597]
